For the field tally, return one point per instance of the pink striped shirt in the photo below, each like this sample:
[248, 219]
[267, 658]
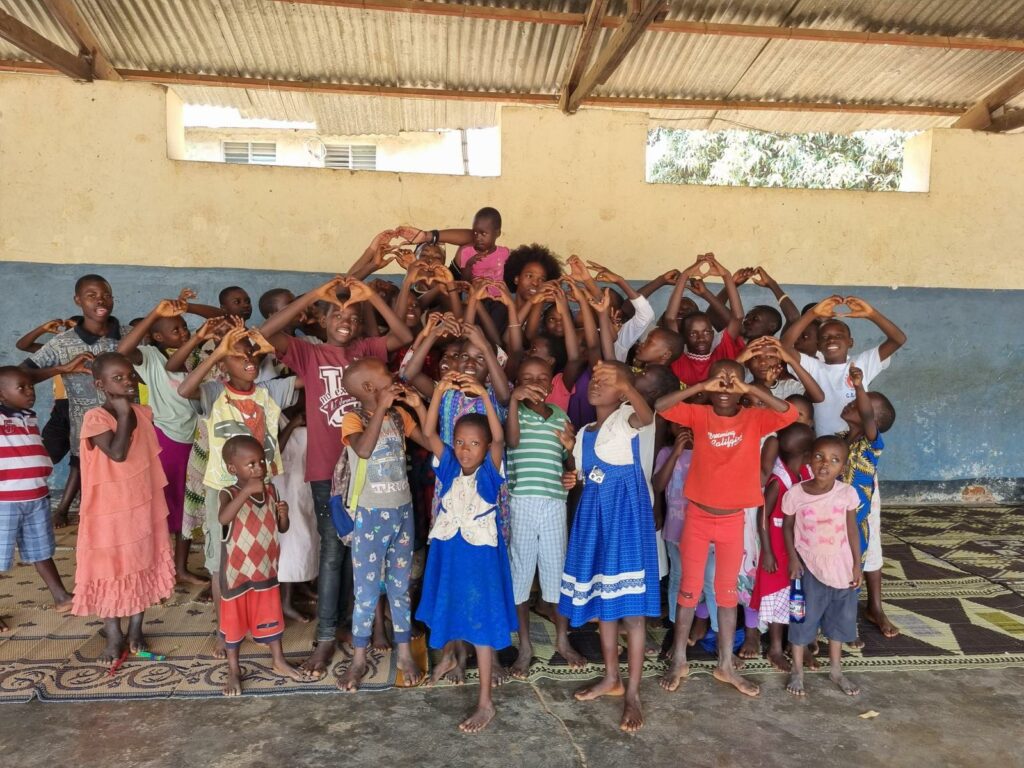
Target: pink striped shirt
[24, 463]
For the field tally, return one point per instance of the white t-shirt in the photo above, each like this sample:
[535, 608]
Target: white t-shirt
[634, 328]
[834, 381]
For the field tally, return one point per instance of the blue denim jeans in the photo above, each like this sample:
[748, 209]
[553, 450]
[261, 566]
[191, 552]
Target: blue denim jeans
[334, 581]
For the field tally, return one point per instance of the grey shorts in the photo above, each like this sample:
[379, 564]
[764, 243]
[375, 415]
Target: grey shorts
[835, 610]
[211, 532]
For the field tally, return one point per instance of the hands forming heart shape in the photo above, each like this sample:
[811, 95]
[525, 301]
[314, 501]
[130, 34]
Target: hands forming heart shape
[829, 308]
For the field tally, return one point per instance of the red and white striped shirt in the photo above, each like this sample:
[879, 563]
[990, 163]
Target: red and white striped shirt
[24, 463]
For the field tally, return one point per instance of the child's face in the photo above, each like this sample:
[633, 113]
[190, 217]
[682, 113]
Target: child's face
[237, 302]
[765, 368]
[541, 347]
[170, 332]
[699, 335]
[247, 463]
[530, 280]
[807, 344]
[118, 380]
[17, 392]
[412, 313]
[601, 395]
[472, 362]
[757, 323]
[834, 342]
[342, 324]
[687, 306]
[450, 356]
[377, 379]
[96, 300]
[470, 444]
[653, 349]
[827, 461]
[485, 234]
[431, 253]
[851, 415]
[241, 368]
[535, 373]
[553, 322]
[805, 413]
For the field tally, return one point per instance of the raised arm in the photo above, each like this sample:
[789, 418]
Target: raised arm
[864, 409]
[735, 310]
[476, 389]
[273, 327]
[430, 433]
[364, 442]
[211, 329]
[129, 345]
[590, 335]
[189, 388]
[669, 278]
[823, 310]
[115, 444]
[894, 337]
[28, 343]
[791, 357]
[789, 310]
[499, 383]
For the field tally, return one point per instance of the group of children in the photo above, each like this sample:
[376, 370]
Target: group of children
[504, 416]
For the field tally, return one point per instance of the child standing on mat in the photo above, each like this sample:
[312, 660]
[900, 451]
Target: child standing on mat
[611, 566]
[467, 587]
[824, 550]
[250, 517]
[124, 558]
[24, 497]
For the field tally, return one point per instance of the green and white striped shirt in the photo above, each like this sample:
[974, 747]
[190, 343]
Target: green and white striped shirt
[535, 465]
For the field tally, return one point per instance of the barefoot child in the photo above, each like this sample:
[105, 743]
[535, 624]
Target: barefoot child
[24, 497]
[537, 459]
[771, 588]
[467, 587]
[380, 502]
[124, 558]
[250, 517]
[824, 551]
[611, 566]
[724, 480]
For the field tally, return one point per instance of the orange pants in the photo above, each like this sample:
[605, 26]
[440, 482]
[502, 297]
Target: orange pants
[256, 612]
[701, 529]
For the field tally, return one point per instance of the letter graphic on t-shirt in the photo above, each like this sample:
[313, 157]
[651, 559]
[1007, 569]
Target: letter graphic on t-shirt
[335, 399]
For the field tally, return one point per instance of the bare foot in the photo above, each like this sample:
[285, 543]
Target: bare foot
[751, 648]
[64, 606]
[520, 668]
[632, 715]
[738, 663]
[856, 645]
[545, 610]
[698, 629]
[444, 668]
[811, 661]
[60, 520]
[795, 685]
[205, 596]
[604, 687]
[880, 620]
[316, 665]
[730, 677]
[379, 641]
[343, 635]
[112, 652]
[499, 674]
[298, 674]
[674, 675]
[187, 577]
[779, 661]
[412, 675]
[293, 613]
[232, 686]
[477, 721]
[573, 658]
[136, 640]
[219, 651]
[844, 683]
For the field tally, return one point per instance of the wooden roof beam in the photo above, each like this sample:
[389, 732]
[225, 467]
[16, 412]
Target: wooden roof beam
[68, 16]
[589, 35]
[559, 18]
[642, 14]
[979, 117]
[30, 41]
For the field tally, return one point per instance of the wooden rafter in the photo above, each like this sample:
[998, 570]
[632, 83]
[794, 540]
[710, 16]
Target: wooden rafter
[589, 35]
[1008, 121]
[615, 50]
[68, 16]
[30, 41]
[767, 32]
[538, 99]
[979, 117]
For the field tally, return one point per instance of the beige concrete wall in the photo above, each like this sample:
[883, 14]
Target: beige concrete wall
[85, 177]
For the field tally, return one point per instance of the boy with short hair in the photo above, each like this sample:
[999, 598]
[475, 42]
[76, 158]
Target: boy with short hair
[24, 497]
[235, 301]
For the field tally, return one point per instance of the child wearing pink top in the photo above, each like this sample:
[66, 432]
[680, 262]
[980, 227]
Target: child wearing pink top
[823, 545]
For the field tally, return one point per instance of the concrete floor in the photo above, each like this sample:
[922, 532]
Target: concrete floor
[930, 719]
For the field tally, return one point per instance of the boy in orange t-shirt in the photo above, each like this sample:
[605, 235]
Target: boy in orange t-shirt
[724, 479]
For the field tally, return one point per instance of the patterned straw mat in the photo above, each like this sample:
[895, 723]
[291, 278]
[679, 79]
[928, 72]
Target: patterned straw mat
[953, 582]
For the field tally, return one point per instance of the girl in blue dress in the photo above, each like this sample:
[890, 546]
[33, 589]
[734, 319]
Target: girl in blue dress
[467, 587]
[611, 566]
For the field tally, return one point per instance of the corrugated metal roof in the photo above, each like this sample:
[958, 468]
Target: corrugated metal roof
[300, 41]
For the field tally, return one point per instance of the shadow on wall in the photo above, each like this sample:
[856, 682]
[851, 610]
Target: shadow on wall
[955, 385]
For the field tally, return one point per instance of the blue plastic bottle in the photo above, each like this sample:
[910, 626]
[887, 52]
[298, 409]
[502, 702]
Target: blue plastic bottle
[797, 603]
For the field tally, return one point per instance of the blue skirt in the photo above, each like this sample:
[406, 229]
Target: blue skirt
[467, 594]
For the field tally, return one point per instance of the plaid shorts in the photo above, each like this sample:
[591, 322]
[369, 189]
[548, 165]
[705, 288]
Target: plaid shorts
[774, 609]
[539, 537]
[27, 524]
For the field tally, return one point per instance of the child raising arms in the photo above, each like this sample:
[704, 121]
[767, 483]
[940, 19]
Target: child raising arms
[824, 549]
[124, 561]
[467, 587]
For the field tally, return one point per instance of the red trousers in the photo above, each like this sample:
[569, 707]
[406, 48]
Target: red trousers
[701, 529]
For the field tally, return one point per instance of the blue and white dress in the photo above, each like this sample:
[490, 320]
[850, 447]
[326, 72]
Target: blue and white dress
[467, 586]
[611, 566]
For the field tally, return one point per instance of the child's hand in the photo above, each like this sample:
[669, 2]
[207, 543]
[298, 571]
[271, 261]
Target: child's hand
[858, 307]
[329, 291]
[187, 294]
[382, 240]
[762, 278]
[569, 479]
[475, 336]
[383, 288]
[451, 326]
[171, 307]
[671, 276]
[471, 386]
[411, 235]
[231, 339]
[698, 287]
[386, 397]
[357, 291]
[260, 344]
[716, 269]
[577, 269]
[826, 308]
[434, 320]
[529, 392]
[611, 375]
[567, 436]
[683, 440]
[216, 327]
[405, 258]
[740, 276]
[857, 576]
[410, 397]
[282, 510]
[602, 274]
[604, 303]
[55, 326]
[504, 294]
[253, 485]
[856, 377]
[768, 562]
[796, 570]
[78, 364]
[121, 406]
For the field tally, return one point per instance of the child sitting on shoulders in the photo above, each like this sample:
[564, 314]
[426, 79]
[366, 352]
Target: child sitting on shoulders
[250, 517]
[24, 496]
[124, 563]
[823, 547]
[479, 254]
[467, 587]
